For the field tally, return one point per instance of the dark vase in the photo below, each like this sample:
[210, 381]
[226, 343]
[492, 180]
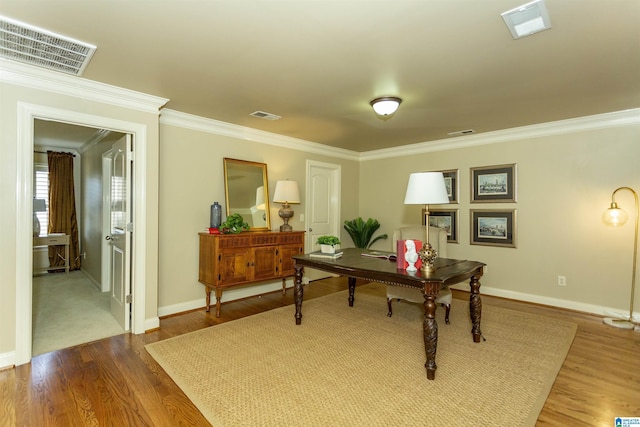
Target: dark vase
[216, 215]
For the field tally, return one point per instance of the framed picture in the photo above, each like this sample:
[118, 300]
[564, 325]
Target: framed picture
[451, 182]
[444, 218]
[493, 184]
[493, 227]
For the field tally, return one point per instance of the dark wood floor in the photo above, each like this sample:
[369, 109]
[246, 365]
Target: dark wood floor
[114, 382]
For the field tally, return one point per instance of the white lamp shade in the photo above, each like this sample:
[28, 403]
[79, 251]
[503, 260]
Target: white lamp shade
[286, 192]
[426, 188]
[39, 205]
[260, 198]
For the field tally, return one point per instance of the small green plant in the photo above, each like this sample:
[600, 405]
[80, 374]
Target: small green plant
[361, 232]
[328, 240]
[234, 224]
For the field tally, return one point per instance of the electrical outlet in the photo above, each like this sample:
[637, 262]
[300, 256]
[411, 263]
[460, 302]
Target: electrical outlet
[562, 281]
[485, 269]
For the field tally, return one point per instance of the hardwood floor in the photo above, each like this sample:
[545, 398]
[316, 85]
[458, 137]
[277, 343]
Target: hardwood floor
[114, 381]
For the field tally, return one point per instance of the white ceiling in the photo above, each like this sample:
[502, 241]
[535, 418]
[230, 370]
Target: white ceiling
[319, 63]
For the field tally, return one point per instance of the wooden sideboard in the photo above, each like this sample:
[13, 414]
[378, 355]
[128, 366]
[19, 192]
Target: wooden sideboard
[228, 260]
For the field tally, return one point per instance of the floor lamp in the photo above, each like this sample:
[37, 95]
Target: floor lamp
[426, 188]
[616, 217]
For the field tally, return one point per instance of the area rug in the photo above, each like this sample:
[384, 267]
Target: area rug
[354, 366]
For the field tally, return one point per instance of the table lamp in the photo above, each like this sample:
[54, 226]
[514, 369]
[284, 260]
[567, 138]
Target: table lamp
[616, 217]
[286, 192]
[426, 188]
[39, 205]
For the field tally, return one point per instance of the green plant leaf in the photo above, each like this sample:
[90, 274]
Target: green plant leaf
[362, 232]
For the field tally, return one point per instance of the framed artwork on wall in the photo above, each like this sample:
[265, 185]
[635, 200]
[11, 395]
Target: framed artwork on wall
[452, 184]
[444, 218]
[493, 184]
[493, 227]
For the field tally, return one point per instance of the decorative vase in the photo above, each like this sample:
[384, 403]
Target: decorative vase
[216, 215]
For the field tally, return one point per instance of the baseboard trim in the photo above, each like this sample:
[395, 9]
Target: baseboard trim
[542, 300]
[231, 294]
[8, 360]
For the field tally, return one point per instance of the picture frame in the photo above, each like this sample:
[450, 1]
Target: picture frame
[452, 184]
[446, 219]
[494, 184]
[493, 227]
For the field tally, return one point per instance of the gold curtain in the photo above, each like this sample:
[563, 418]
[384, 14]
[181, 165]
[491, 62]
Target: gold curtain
[62, 208]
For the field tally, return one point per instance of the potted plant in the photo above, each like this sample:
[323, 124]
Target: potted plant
[234, 224]
[361, 232]
[328, 244]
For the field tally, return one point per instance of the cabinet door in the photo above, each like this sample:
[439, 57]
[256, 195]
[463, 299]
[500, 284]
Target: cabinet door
[234, 266]
[286, 262]
[265, 263]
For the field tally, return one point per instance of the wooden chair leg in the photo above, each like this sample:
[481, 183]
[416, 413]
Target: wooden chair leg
[447, 308]
[390, 313]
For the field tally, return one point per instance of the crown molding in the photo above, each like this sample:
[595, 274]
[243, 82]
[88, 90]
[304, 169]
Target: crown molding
[203, 124]
[581, 124]
[63, 84]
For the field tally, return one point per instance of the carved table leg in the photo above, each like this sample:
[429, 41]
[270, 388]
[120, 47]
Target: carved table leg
[352, 289]
[208, 296]
[430, 327]
[298, 292]
[218, 298]
[475, 307]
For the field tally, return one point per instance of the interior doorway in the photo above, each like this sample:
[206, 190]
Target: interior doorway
[70, 309]
[27, 114]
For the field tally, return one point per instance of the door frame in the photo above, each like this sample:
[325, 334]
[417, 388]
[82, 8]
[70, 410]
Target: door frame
[26, 114]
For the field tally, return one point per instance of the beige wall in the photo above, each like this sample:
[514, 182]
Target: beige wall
[564, 184]
[192, 179]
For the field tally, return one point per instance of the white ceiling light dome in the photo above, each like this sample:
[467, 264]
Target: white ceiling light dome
[385, 105]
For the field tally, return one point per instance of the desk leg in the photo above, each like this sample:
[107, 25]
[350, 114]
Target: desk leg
[352, 289]
[298, 292]
[475, 307]
[430, 327]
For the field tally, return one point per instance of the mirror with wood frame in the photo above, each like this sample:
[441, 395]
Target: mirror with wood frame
[246, 192]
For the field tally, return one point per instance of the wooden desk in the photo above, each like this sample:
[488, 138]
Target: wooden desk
[53, 240]
[448, 272]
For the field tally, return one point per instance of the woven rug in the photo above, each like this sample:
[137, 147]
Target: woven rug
[354, 366]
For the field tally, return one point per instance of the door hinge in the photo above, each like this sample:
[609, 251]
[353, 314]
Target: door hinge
[130, 227]
[129, 299]
[130, 156]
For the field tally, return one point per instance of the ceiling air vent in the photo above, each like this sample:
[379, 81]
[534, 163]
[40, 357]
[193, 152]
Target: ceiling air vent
[266, 116]
[31, 45]
[462, 132]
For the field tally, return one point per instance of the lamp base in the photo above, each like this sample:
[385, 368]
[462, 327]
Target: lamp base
[285, 213]
[618, 323]
[428, 255]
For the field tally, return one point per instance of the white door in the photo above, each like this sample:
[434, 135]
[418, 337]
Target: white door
[323, 207]
[119, 237]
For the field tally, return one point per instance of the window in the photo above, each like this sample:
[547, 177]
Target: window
[41, 191]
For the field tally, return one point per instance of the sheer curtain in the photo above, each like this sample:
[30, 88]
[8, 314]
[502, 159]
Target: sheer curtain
[62, 208]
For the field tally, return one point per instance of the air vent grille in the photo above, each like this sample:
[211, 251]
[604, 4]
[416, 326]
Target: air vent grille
[25, 43]
[266, 116]
[462, 132]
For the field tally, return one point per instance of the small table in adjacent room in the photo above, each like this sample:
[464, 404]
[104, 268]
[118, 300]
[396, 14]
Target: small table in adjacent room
[448, 272]
[53, 240]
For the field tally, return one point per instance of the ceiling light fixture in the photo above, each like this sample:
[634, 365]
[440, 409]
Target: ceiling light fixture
[385, 105]
[527, 19]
